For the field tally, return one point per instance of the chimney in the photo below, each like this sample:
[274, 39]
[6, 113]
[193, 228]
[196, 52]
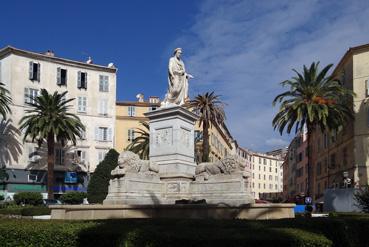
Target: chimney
[50, 53]
[140, 97]
[89, 61]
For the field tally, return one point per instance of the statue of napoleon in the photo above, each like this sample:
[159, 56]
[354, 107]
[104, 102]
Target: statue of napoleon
[177, 81]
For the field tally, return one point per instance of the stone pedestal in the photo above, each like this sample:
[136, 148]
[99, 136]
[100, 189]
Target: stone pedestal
[172, 144]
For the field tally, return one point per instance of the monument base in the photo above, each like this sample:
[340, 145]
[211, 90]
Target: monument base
[98, 212]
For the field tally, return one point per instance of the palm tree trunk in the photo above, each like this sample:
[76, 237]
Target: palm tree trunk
[205, 143]
[50, 166]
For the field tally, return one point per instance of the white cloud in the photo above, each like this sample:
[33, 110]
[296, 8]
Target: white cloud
[276, 142]
[243, 49]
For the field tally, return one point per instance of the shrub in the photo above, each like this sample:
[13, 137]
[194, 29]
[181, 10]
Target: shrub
[2, 197]
[362, 199]
[73, 197]
[97, 189]
[32, 211]
[28, 198]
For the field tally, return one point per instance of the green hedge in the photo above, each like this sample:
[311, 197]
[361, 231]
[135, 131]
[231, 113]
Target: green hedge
[26, 211]
[73, 197]
[97, 189]
[28, 198]
[33, 211]
[323, 232]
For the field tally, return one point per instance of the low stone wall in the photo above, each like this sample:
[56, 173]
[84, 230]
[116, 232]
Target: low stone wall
[94, 212]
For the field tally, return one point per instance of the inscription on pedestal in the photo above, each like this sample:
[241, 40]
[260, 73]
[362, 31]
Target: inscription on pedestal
[164, 137]
[185, 137]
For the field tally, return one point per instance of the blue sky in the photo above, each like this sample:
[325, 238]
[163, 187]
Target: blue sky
[241, 49]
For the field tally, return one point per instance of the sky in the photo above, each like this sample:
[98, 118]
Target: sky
[241, 49]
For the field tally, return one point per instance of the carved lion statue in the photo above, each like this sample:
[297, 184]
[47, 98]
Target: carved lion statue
[227, 165]
[129, 162]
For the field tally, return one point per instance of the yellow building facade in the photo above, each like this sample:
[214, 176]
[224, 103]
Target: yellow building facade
[129, 115]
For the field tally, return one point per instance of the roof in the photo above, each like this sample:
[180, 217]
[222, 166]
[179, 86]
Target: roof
[349, 53]
[35, 55]
[136, 103]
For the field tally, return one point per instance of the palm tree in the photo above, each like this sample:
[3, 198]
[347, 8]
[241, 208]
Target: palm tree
[141, 144]
[211, 111]
[48, 119]
[5, 101]
[314, 100]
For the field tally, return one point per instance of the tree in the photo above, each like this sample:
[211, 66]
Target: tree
[314, 100]
[97, 189]
[211, 111]
[141, 144]
[5, 101]
[48, 119]
[362, 198]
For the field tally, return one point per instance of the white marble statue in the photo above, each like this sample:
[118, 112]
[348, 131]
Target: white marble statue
[177, 93]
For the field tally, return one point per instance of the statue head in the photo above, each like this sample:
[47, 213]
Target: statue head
[177, 52]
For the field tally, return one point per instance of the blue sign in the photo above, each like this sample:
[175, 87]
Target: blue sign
[70, 178]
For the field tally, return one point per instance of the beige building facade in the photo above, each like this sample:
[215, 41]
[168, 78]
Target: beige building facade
[92, 86]
[266, 173]
[342, 156]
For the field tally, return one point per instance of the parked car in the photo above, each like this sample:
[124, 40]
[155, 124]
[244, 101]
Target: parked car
[48, 202]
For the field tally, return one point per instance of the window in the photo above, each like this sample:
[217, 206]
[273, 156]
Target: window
[259, 176]
[259, 185]
[104, 83]
[103, 134]
[81, 156]
[264, 177]
[83, 135]
[61, 77]
[264, 186]
[103, 107]
[29, 95]
[319, 168]
[259, 160]
[59, 156]
[131, 135]
[32, 178]
[33, 155]
[276, 187]
[270, 186]
[131, 111]
[82, 80]
[253, 175]
[264, 161]
[34, 71]
[152, 108]
[270, 177]
[82, 104]
[264, 168]
[101, 155]
[333, 161]
[276, 170]
[270, 169]
[344, 158]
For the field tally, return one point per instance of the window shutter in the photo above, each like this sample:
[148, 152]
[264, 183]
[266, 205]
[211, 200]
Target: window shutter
[97, 134]
[79, 79]
[58, 76]
[85, 80]
[38, 71]
[30, 71]
[110, 134]
[26, 95]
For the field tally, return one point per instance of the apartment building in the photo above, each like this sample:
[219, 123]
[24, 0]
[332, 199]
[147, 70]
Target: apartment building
[340, 158]
[295, 169]
[267, 173]
[129, 115]
[92, 86]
